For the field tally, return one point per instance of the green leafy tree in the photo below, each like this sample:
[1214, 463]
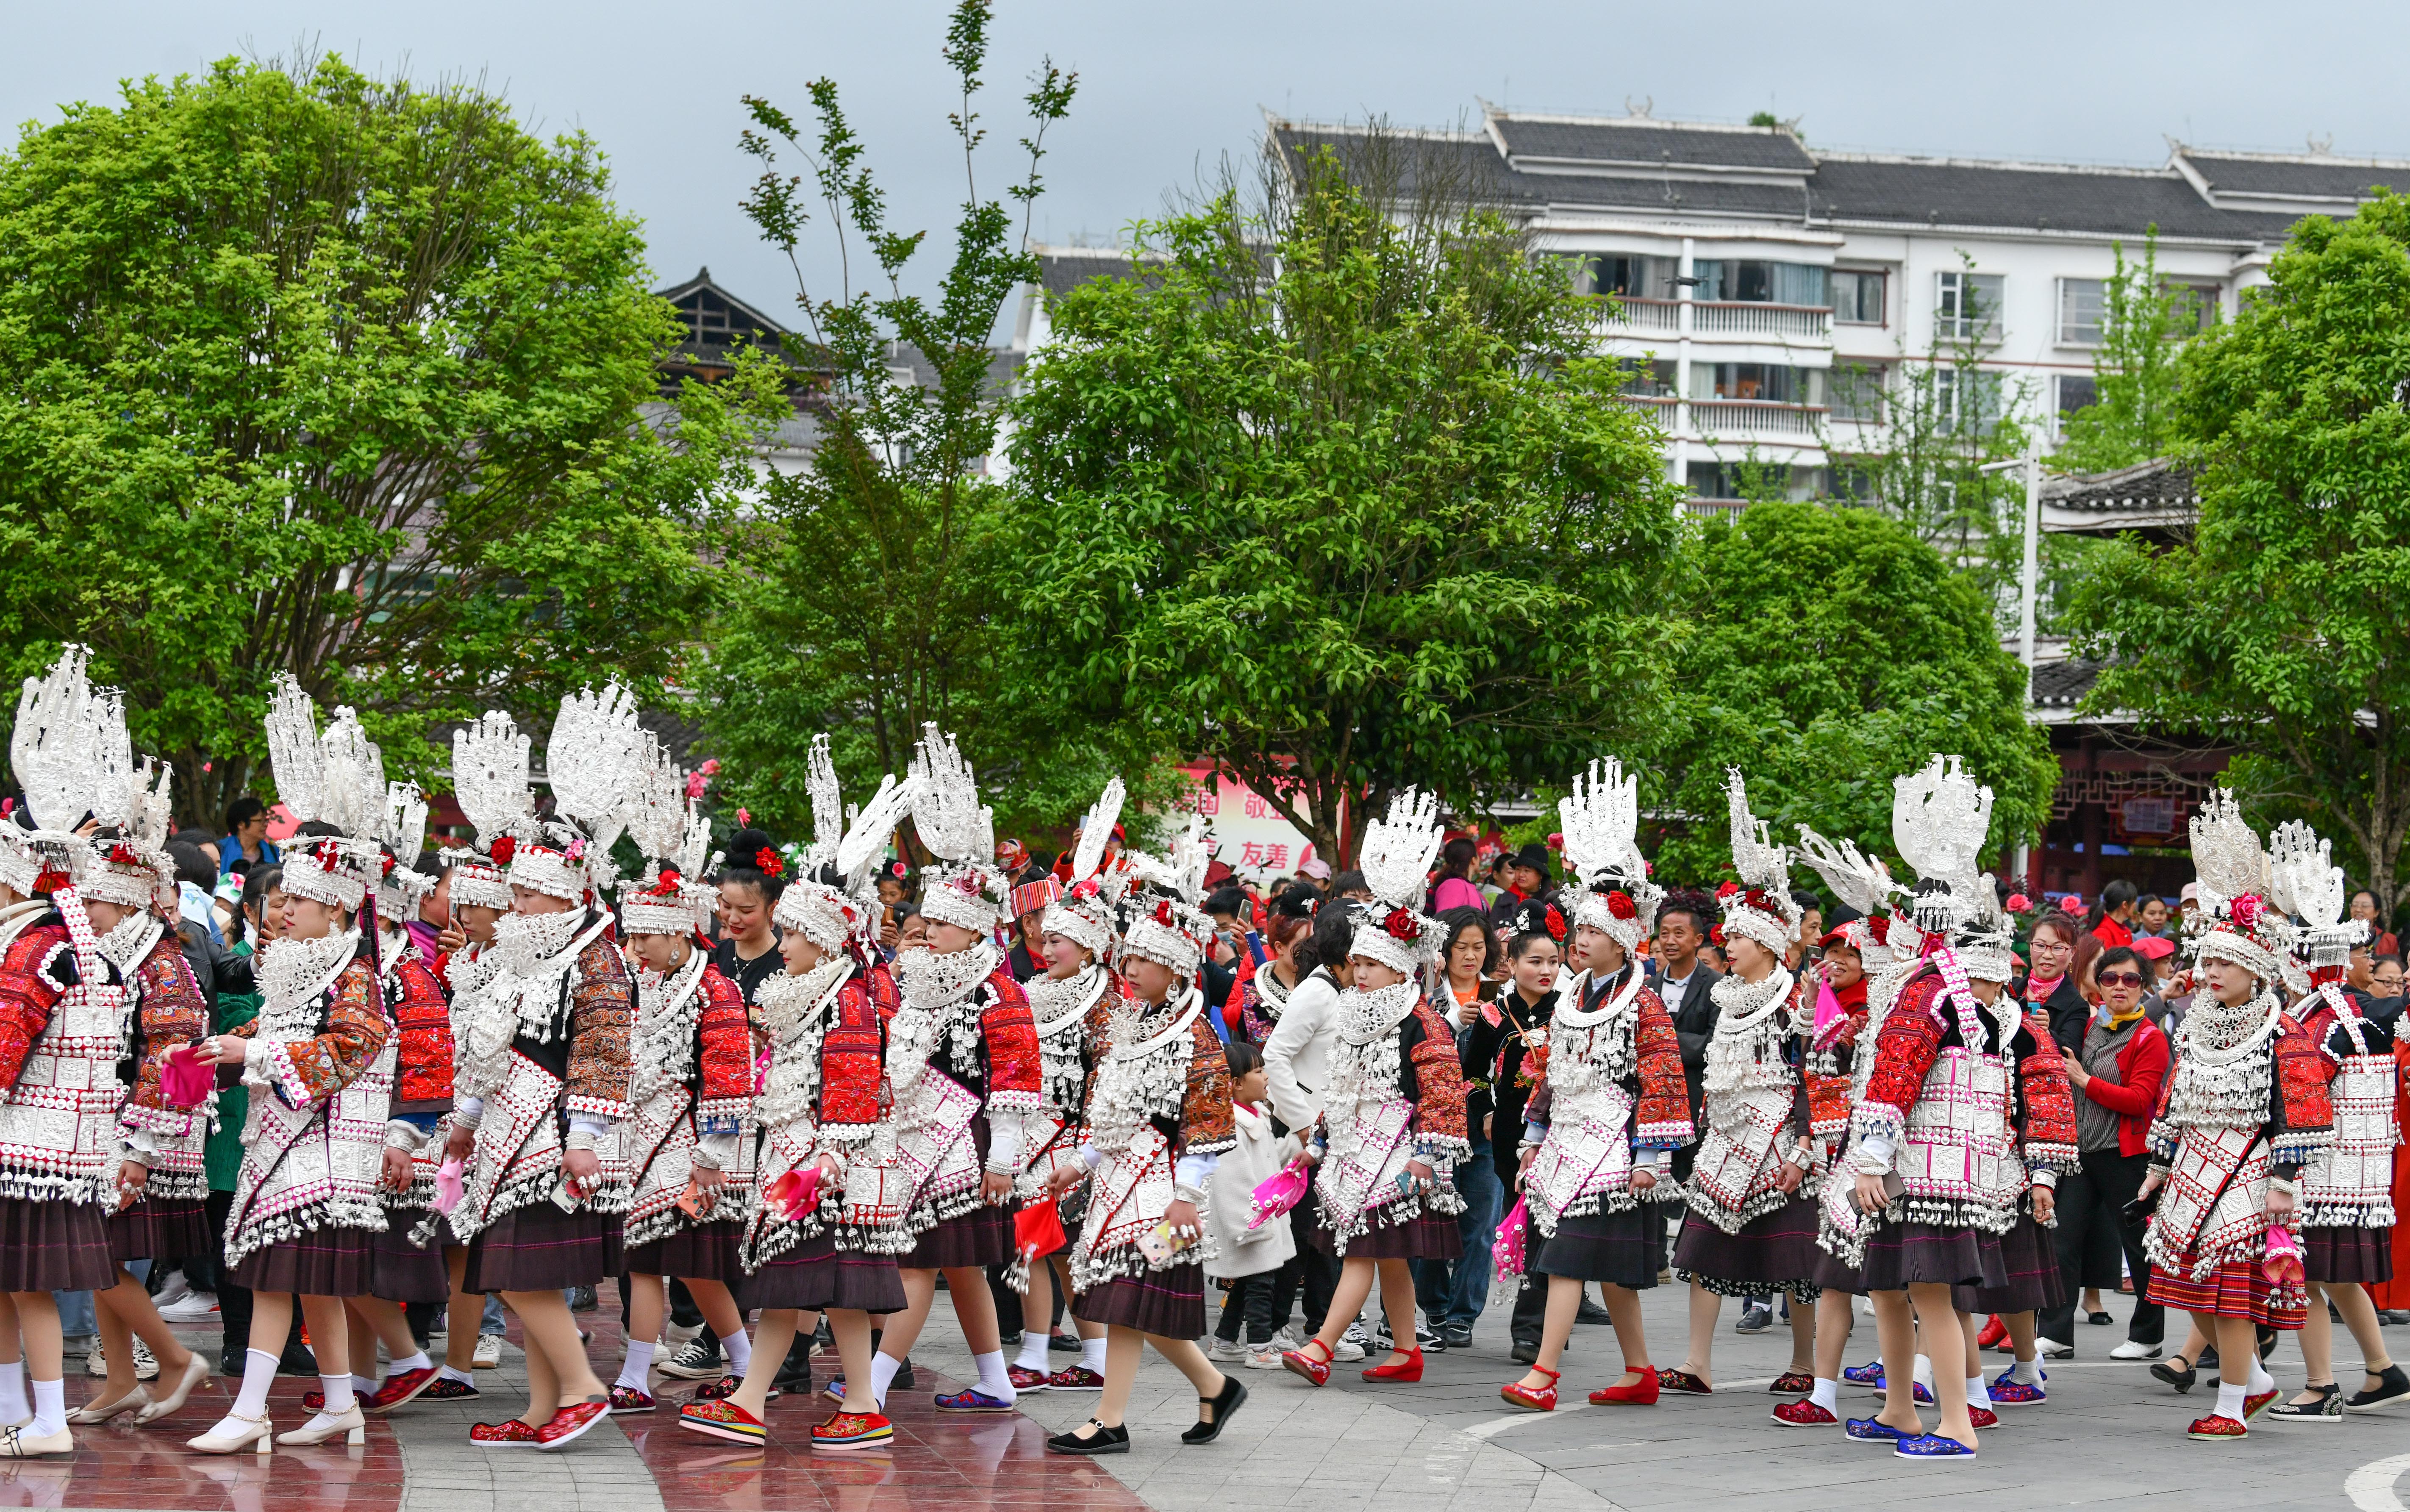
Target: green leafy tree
[1331, 495]
[2279, 627]
[1832, 651]
[313, 372]
[869, 590]
[2143, 322]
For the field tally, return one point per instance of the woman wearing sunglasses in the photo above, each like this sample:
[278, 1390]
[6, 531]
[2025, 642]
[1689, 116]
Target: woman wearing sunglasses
[2117, 1075]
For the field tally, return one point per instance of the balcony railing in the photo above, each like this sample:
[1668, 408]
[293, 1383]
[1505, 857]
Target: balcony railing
[1780, 322]
[1649, 314]
[1756, 417]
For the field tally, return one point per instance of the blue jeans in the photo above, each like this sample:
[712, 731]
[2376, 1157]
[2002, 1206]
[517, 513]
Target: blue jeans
[1455, 1291]
[491, 1322]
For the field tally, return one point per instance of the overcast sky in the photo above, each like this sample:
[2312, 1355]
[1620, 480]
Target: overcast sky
[1164, 89]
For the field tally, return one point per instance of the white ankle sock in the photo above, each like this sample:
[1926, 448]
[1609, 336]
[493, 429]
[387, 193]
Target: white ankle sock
[14, 1408]
[338, 1389]
[1978, 1394]
[1091, 1355]
[2258, 1380]
[738, 1346]
[883, 1375]
[1826, 1394]
[2026, 1372]
[991, 1376]
[636, 1371]
[407, 1363]
[1923, 1373]
[258, 1374]
[49, 1409]
[2230, 1399]
[363, 1385]
[1033, 1349]
[448, 1373]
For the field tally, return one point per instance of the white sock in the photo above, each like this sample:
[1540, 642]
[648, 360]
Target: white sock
[407, 1363]
[1091, 1355]
[258, 1374]
[883, 1375]
[2259, 1380]
[49, 1409]
[993, 1378]
[363, 1385]
[339, 1393]
[448, 1373]
[13, 1406]
[1033, 1349]
[638, 1369]
[738, 1346]
[1978, 1394]
[2230, 1399]
[1826, 1394]
[1923, 1373]
[2026, 1372]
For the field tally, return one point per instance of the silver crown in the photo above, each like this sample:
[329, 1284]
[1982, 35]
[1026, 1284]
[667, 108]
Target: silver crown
[1395, 855]
[489, 775]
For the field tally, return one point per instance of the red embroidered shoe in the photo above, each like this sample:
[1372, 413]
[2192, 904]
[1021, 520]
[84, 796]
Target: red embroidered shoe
[853, 1431]
[719, 1390]
[1640, 1393]
[1982, 1417]
[1075, 1378]
[1406, 1371]
[510, 1434]
[723, 1421]
[1301, 1363]
[1025, 1380]
[1805, 1414]
[1685, 1383]
[2214, 1428]
[570, 1424]
[1541, 1399]
[400, 1390]
[1792, 1384]
[2256, 1402]
[627, 1399]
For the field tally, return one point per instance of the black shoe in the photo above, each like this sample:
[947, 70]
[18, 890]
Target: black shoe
[2208, 1360]
[824, 1337]
[230, 1364]
[582, 1300]
[1525, 1352]
[2267, 1338]
[2392, 1392]
[904, 1382]
[1232, 1396]
[1755, 1317]
[2177, 1373]
[1459, 1335]
[296, 1361]
[1103, 1441]
[1591, 1312]
[1063, 1344]
[796, 1370]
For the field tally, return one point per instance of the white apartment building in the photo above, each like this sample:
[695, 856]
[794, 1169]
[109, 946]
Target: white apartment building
[1770, 292]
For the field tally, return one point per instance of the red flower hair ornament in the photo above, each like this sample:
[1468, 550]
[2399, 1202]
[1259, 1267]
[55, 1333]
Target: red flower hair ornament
[1400, 925]
[769, 862]
[503, 849]
[1619, 904]
[2245, 910]
[1727, 890]
[1555, 923]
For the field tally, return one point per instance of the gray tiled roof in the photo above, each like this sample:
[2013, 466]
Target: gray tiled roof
[2062, 684]
[1065, 268]
[1651, 141]
[2146, 484]
[2341, 179]
[2018, 197]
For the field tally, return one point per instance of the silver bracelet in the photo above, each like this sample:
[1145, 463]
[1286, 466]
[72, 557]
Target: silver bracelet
[2278, 1183]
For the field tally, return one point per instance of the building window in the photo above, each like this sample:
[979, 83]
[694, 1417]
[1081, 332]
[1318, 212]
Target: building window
[1765, 381]
[1967, 400]
[1651, 380]
[1857, 389]
[2079, 312]
[1755, 479]
[2200, 303]
[1749, 281]
[1967, 306]
[1857, 298]
[1625, 275]
[2075, 393]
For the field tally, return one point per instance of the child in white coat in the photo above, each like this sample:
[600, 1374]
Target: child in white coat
[1249, 1260]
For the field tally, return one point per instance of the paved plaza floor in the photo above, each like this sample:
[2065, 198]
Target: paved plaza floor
[2110, 1435]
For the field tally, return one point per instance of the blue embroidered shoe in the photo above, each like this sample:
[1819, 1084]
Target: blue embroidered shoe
[1868, 1374]
[1875, 1431]
[1931, 1446]
[971, 1399]
[2008, 1391]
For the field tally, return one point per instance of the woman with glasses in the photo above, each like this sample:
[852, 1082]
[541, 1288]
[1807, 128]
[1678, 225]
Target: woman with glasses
[2117, 1073]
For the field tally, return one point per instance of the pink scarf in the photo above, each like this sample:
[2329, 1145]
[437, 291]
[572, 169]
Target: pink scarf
[2038, 990]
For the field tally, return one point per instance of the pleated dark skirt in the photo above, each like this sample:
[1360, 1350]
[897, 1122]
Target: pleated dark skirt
[815, 1274]
[1619, 1248]
[1921, 1254]
[170, 1230]
[1835, 1275]
[1429, 1237]
[979, 1238]
[53, 1246]
[712, 1251]
[540, 1248]
[1773, 1252]
[2362, 1255]
[2035, 1281]
[325, 1262]
[1169, 1304]
[403, 1271]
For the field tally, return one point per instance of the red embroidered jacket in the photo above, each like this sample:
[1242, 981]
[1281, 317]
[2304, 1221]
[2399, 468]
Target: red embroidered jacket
[1437, 1089]
[853, 1065]
[1661, 1116]
[349, 1036]
[1208, 1119]
[422, 1018]
[2042, 1102]
[601, 1014]
[37, 969]
[723, 1087]
[173, 1012]
[1014, 1069]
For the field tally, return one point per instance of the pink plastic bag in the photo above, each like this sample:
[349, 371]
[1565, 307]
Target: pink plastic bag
[1507, 1258]
[2282, 1264]
[184, 1079]
[1281, 1191]
[448, 1185]
[1828, 1008]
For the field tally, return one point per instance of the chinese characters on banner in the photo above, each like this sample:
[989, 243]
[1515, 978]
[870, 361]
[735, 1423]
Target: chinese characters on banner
[1248, 834]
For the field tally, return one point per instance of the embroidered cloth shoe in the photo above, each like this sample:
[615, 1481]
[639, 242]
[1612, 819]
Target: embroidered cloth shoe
[2212, 1428]
[447, 1390]
[512, 1433]
[627, 1399]
[1982, 1417]
[1079, 1378]
[401, 1390]
[719, 1390]
[971, 1399]
[2256, 1402]
[570, 1424]
[2327, 1408]
[2008, 1391]
[1685, 1383]
[1533, 1399]
[1026, 1380]
[1640, 1393]
[1792, 1383]
[1803, 1414]
[1875, 1431]
[1314, 1368]
[853, 1431]
[727, 1420]
[1868, 1374]
[1931, 1446]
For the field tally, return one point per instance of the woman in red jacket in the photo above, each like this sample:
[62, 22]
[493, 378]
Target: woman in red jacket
[2117, 1076]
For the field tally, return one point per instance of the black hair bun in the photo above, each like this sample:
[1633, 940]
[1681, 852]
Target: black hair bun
[747, 844]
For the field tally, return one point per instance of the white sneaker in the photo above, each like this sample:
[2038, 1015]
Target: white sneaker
[1348, 1350]
[1286, 1339]
[192, 1307]
[2053, 1349]
[2131, 1350]
[1265, 1357]
[489, 1351]
[175, 1290]
[1225, 1349]
[96, 1362]
[146, 1366]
